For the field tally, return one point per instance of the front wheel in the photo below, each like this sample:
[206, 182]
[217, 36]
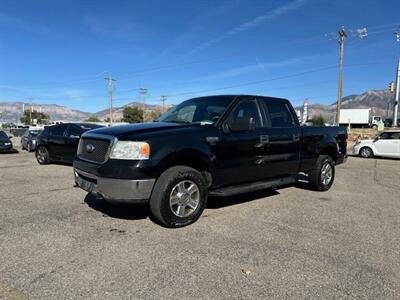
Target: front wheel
[321, 178]
[366, 152]
[42, 155]
[179, 197]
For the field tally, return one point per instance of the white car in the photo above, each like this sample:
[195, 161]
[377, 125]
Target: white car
[387, 144]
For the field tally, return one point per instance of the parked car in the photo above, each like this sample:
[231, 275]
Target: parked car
[386, 144]
[28, 140]
[389, 122]
[216, 145]
[5, 143]
[58, 143]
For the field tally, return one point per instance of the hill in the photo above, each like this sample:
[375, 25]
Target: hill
[378, 100]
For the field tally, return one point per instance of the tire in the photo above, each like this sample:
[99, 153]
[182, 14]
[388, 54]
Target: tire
[42, 155]
[179, 197]
[366, 152]
[374, 126]
[321, 178]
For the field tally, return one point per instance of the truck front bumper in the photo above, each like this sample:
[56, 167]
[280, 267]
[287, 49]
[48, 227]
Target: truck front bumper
[115, 190]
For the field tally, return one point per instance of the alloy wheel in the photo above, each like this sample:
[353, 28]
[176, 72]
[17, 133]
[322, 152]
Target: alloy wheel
[184, 198]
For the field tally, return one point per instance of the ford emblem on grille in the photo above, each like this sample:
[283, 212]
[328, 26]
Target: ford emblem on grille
[89, 148]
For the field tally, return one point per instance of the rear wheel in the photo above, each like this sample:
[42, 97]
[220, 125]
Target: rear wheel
[321, 178]
[366, 152]
[42, 155]
[179, 197]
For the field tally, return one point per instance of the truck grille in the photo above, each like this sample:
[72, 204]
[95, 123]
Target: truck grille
[94, 150]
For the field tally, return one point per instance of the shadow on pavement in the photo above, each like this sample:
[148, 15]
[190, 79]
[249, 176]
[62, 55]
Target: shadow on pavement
[118, 211]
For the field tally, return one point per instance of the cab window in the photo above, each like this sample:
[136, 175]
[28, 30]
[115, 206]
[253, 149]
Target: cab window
[246, 109]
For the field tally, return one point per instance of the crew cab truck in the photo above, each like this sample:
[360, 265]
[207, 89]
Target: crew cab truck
[215, 145]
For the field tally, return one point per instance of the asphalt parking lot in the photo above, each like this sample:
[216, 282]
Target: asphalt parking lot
[57, 242]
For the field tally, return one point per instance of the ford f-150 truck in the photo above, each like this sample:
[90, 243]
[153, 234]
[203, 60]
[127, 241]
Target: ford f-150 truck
[215, 145]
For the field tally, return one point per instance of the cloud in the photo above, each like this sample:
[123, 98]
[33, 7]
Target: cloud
[252, 68]
[114, 27]
[23, 24]
[257, 21]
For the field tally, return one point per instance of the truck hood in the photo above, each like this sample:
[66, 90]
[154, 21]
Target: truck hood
[120, 131]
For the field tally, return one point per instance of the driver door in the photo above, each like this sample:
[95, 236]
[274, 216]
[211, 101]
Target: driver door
[240, 153]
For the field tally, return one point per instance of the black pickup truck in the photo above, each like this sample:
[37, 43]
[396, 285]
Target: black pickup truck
[215, 145]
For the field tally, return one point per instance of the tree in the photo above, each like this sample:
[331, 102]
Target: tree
[29, 117]
[93, 119]
[132, 115]
[317, 121]
[152, 115]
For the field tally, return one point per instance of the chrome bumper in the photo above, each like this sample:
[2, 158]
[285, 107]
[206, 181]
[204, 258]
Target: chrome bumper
[119, 190]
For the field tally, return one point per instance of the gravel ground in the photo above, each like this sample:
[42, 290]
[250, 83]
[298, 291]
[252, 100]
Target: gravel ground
[57, 242]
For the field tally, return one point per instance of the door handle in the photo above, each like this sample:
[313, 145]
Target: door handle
[264, 139]
[296, 137]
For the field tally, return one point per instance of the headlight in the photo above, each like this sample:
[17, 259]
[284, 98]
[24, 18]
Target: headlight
[130, 150]
[7, 144]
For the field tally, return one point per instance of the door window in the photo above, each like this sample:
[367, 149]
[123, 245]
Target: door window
[57, 130]
[246, 109]
[390, 136]
[72, 130]
[279, 114]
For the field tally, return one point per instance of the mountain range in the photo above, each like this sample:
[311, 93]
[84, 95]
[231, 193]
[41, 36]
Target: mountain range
[378, 100]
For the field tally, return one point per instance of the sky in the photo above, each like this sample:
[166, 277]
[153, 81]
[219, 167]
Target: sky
[59, 52]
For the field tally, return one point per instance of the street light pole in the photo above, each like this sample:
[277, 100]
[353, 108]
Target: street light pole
[396, 100]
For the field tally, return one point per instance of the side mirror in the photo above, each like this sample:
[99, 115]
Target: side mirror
[377, 138]
[242, 124]
[10, 136]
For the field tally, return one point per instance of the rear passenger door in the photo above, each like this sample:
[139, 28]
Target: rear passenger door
[56, 141]
[284, 135]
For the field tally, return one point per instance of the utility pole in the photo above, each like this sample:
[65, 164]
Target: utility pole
[396, 99]
[143, 93]
[163, 99]
[342, 38]
[110, 81]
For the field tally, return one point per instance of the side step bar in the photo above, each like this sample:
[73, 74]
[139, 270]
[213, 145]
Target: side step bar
[251, 187]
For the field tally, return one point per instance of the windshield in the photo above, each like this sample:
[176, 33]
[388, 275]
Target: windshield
[3, 135]
[206, 110]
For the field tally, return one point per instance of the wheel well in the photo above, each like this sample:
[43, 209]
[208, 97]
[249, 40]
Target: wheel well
[192, 162]
[330, 151]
